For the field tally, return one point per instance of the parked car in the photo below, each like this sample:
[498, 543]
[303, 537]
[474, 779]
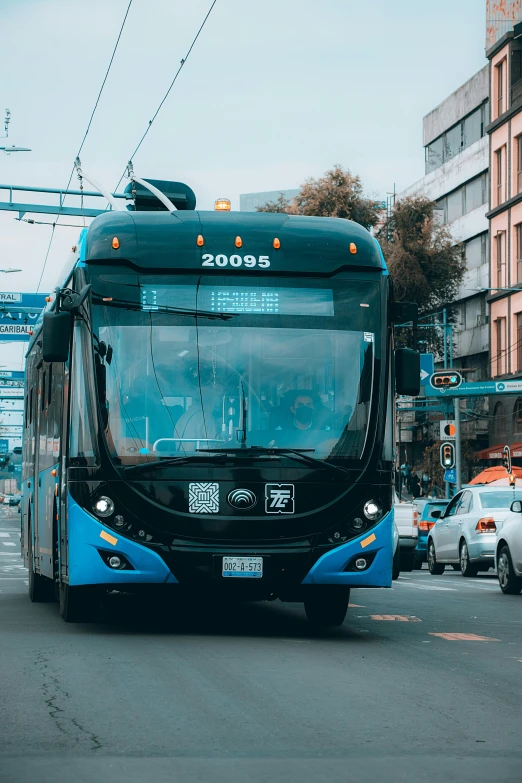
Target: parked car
[428, 515]
[465, 534]
[508, 550]
[14, 500]
[406, 518]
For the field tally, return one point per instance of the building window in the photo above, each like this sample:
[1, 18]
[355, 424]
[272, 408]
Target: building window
[518, 141]
[519, 344]
[500, 240]
[457, 138]
[464, 199]
[499, 156]
[500, 324]
[498, 419]
[500, 69]
[518, 250]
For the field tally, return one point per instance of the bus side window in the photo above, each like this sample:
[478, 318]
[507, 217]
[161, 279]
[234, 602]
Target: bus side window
[42, 395]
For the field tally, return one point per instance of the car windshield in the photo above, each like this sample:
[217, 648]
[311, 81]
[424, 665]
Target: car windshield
[291, 367]
[499, 499]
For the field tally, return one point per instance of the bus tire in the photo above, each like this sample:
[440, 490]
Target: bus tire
[41, 589]
[396, 566]
[327, 605]
[79, 604]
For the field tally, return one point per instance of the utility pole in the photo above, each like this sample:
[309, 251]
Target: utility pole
[456, 403]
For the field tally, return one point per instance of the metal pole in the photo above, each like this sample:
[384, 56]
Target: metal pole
[450, 330]
[400, 463]
[444, 321]
[456, 403]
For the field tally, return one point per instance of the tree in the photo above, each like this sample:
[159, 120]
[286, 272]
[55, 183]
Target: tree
[336, 194]
[281, 204]
[425, 263]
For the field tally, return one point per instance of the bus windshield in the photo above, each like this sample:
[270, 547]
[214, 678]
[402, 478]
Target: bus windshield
[193, 362]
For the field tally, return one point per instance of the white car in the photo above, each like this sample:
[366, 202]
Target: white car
[508, 551]
[466, 533]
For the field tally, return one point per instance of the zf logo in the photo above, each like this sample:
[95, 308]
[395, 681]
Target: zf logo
[279, 498]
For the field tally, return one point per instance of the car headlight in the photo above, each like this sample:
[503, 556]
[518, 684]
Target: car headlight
[372, 510]
[103, 506]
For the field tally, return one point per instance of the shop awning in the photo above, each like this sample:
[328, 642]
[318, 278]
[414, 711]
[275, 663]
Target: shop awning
[496, 452]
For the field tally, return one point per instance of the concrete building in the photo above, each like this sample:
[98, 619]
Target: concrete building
[248, 202]
[457, 163]
[504, 38]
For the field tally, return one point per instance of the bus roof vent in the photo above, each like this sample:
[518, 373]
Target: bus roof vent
[180, 194]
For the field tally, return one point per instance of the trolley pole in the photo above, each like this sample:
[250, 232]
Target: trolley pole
[456, 403]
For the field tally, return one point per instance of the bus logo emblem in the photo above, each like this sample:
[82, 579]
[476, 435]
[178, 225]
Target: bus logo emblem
[242, 499]
[279, 498]
[204, 498]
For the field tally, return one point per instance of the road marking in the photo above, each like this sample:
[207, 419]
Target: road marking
[8, 543]
[464, 637]
[397, 617]
[357, 606]
[427, 587]
[4, 535]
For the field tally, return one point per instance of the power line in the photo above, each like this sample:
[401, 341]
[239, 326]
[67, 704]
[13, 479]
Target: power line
[84, 138]
[182, 63]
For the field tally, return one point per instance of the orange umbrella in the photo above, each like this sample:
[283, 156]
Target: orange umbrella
[495, 474]
[504, 482]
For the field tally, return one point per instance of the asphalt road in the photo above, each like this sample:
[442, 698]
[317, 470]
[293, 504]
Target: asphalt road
[251, 693]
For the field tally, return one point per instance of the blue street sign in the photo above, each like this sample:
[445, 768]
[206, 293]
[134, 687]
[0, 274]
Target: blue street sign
[16, 325]
[4, 446]
[450, 475]
[476, 388]
[12, 374]
[426, 368]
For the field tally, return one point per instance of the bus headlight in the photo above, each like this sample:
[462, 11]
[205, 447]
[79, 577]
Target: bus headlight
[372, 510]
[103, 506]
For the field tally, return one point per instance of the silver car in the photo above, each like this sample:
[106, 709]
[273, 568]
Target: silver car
[508, 551]
[465, 534]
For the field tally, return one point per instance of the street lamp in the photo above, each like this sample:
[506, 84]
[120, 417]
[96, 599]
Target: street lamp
[8, 150]
[8, 271]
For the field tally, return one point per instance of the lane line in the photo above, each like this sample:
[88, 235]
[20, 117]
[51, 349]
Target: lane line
[401, 618]
[464, 637]
[8, 543]
[429, 587]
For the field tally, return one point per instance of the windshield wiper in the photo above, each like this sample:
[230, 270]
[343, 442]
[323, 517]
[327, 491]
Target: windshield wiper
[301, 455]
[126, 304]
[166, 461]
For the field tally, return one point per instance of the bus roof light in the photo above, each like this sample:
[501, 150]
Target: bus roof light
[353, 248]
[222, 205]
[200, 241]
[239, 242]
[277, 243]
[115, 243]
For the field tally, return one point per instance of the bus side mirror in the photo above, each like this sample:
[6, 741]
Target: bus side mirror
[516, 506]
[56, 336]
[407, 372]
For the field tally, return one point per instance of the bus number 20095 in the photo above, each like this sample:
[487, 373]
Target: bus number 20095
[235, 260]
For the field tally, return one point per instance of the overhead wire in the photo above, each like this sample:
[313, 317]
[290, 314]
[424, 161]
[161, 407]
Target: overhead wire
[180, 68]
[83, 141]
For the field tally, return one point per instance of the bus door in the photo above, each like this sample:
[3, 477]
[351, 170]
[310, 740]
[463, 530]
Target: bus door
[43, 534]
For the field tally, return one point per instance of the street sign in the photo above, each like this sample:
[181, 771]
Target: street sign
[16, 393]
[10, 297]
[450, 476]
[16, 325]
[447, 430]
[475, 389]
[4, 446]
[426, 368]
[11, 374]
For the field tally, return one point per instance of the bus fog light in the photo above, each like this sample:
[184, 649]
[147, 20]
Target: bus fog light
[372, 510]
[119, 520]
[358, 523]
[115, 562]
[360, 564]
[103, 507]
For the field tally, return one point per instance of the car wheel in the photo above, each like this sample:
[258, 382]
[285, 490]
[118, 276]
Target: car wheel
[327, 605]
[467, 568]
[396, 565]
[509, 582]
[435, 569]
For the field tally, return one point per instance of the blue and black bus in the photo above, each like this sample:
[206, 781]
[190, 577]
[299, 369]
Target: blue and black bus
[210, 409]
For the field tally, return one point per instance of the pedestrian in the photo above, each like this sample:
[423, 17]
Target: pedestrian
[425, 483]
[405, 471]
[414, 485]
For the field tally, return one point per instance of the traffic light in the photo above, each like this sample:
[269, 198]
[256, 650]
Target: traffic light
[447, 455]
[506, 459]
[446, 379]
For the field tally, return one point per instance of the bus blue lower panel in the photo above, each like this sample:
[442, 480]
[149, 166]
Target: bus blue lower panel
[377, 543]
[88, 536]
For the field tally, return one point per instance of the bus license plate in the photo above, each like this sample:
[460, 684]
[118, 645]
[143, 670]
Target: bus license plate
[243, 567]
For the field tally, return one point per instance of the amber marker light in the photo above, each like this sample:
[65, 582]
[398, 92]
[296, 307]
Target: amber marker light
[48, 299]
[353, 248]
[222, 205]
[200, 241]
[277, 243]
[107, 299]
[115, 243]
[238, 242]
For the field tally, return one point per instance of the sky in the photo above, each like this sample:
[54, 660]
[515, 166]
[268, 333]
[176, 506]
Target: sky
[274, 91]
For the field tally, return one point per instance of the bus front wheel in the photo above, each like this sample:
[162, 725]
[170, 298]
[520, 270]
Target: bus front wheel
[327, 605]
[79, 604]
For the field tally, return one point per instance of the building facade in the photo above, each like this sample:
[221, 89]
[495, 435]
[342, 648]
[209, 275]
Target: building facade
[505, 216]
[248, 202]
